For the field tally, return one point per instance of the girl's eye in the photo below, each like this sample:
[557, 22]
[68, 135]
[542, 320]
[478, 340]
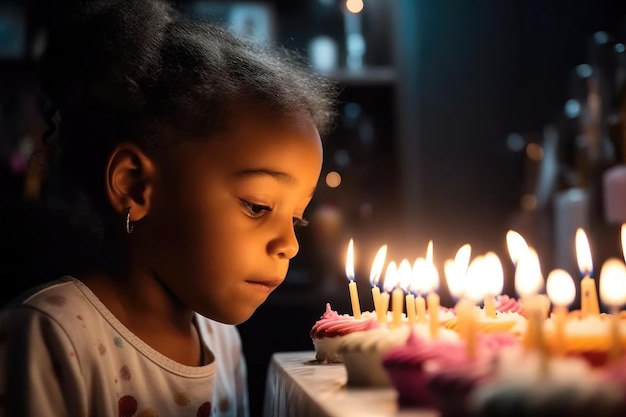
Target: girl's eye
[255, 210]
[300, 222]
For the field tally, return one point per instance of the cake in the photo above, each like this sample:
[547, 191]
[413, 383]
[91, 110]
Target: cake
[405, 363]
[362, 353]
[587, 337]
[527, 384]
[329, 330]
[504, 321]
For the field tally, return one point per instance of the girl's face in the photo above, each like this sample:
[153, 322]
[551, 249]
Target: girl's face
[219, 232]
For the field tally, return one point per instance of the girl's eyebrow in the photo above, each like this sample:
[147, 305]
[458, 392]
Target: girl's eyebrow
[260, 172]
[279, 176]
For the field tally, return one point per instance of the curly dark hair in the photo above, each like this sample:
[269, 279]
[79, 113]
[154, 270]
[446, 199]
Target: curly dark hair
[140, 71]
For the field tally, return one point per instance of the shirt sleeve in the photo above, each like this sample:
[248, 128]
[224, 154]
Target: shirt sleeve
[39, 372]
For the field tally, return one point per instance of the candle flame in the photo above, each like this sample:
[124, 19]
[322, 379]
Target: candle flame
[516, 245]
[377, 265]
[583, 252]
[429, 252]
[420, 271]
[494, 274]
[454, 278]
[350, 261]
[613, 283]
[475, 287]
[431, 282]
[528, 277]
[391, 277]
[560, 287]
[405, 275]
[462, 258]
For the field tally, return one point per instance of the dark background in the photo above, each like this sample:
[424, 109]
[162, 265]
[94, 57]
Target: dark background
[445, 84]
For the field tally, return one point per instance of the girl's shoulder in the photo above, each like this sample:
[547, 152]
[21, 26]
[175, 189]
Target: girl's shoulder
[50, 297]
[64, 301]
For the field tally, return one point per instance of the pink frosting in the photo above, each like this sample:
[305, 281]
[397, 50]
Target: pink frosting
[491, 343]
[332, 324]
[508, 304]
[416, 350]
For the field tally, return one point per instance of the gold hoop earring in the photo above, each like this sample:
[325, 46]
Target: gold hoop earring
[129, 224]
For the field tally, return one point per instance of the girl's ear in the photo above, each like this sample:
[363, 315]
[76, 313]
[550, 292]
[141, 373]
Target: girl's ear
[129, 180]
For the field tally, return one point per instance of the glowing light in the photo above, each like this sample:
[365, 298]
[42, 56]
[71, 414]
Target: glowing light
[583, 252]
[534, 151]
[528, 202]
[613, 283]
[528, 277]
[516, 245]
[494, 274]
[354, 6]
[377, 265]
[560, 287]
[350, 261]
[391, 277]
[572, 108]
[333, 179]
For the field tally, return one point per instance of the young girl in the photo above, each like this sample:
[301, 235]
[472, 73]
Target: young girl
[199, 153]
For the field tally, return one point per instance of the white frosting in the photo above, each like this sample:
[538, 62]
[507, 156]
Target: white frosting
[564, 382]
[423, 331]
[381, 339]
[515, 365]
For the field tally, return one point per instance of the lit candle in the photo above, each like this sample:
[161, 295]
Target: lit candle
[494, 282]
[473, 294]
[405, 276]
[431, 285]
[516, 246]
[528, 282]
[420, 269]
[455, 269]
[613, 294]
[354, 295]
[561, 291]
[397, 295]
[377, 269]
[588, 293]
[389, 284]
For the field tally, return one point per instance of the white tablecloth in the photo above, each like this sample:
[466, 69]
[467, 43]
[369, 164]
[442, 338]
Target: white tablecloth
[299, 387]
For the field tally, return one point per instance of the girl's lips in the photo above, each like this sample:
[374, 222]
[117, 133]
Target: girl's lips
[269, 284]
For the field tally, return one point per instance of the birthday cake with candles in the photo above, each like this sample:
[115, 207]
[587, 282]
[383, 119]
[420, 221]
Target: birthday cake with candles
[465, 355]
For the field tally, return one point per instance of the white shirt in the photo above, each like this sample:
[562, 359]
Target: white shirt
[63, 353]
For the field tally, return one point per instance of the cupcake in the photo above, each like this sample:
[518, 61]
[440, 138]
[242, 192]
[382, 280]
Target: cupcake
[504, 321]
[453, 378]
[588, 338]
[329, 330]
[362, 353]
[526, 384]
[405, 364]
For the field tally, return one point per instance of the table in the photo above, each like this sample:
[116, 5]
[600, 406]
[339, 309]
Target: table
[297, 386]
